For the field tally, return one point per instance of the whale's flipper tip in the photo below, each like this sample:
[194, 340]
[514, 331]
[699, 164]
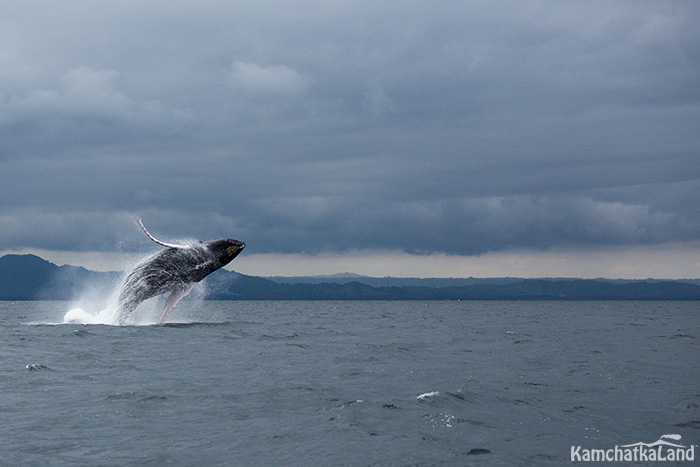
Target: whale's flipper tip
[166, 245]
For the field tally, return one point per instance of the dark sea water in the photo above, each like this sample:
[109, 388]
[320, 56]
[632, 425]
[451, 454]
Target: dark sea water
[347, 383]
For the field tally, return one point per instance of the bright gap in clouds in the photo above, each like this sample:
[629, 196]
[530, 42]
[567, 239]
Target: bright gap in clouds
[668, 261]
[671, 261]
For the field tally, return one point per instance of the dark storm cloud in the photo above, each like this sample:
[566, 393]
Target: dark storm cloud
[425, 127]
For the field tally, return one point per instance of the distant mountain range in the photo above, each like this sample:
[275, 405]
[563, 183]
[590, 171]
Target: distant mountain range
[28, 277]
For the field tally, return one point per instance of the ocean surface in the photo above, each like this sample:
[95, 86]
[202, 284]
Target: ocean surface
[347, 383]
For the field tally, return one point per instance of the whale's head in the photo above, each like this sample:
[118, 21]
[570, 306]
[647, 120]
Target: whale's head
[226, 249]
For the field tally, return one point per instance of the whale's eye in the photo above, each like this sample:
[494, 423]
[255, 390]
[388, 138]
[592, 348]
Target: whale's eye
[232, 250]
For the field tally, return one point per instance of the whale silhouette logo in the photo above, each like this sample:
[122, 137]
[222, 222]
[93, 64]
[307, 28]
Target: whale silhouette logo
[660, 442]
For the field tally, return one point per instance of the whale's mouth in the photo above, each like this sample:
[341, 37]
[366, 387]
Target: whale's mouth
[235, 249]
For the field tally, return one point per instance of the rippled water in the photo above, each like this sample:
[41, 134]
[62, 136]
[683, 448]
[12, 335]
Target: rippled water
[347, 383]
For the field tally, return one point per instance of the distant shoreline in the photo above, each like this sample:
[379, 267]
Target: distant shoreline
[29, 277]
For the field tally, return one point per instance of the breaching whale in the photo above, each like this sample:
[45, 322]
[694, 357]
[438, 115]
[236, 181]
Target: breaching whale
[174, 270]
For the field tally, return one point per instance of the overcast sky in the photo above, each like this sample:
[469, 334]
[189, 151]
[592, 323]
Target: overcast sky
[442, 137]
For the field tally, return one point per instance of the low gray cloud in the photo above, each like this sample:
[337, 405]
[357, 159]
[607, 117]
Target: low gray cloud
[424, 127]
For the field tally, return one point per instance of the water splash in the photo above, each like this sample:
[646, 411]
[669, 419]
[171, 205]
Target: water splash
[91, 311]
[80, 316]
[98, 303]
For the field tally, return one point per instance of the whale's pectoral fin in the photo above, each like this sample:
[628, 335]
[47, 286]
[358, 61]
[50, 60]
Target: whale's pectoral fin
[166, 245]
[173, 300]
